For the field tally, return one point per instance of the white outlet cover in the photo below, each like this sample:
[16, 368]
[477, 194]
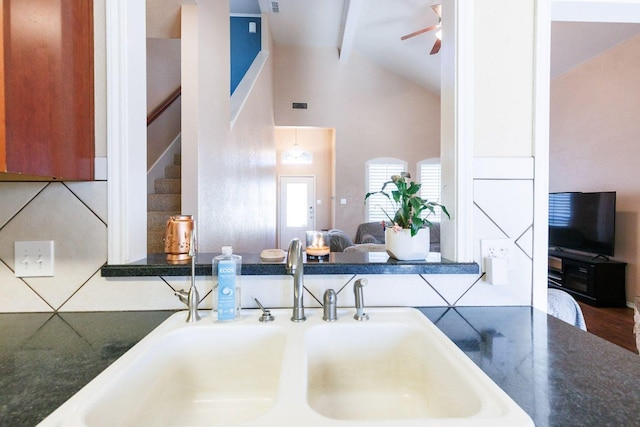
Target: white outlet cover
[500, 248]
[33, 258]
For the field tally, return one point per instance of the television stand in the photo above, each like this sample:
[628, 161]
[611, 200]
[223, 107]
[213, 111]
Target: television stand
[596, 281]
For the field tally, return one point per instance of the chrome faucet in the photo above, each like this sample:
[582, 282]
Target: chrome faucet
[295, 269]
[191, 298]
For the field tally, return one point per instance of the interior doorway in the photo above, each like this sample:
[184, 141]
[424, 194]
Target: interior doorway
[296, 208]
[306, 152]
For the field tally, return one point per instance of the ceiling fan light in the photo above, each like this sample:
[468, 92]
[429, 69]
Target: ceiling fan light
[439, 34]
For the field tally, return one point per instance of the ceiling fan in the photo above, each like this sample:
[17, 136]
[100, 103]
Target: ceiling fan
[436, 46]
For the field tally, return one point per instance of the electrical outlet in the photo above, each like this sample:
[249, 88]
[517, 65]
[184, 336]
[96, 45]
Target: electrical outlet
[495, 248]
[33, 259]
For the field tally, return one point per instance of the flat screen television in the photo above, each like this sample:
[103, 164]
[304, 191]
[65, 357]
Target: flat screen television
[583, 222]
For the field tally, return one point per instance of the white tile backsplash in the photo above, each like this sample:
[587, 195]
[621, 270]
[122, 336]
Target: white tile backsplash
[74, 216]
[16, 296]
[15, 196]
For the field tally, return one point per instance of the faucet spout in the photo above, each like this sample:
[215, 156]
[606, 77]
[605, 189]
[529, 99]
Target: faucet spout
[191, 297]
[295, 269]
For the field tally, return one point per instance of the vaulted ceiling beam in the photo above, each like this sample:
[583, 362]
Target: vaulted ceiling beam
[350, 15]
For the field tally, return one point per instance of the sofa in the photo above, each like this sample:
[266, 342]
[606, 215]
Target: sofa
[370, 238]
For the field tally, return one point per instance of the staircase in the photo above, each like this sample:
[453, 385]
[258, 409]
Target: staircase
[162, 204]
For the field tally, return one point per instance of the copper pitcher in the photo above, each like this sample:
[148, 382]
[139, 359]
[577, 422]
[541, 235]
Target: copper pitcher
[177, 238]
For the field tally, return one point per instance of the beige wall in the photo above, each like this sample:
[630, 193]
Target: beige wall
[163, 77]
[229, 174]
[375, 114]
[594, 140]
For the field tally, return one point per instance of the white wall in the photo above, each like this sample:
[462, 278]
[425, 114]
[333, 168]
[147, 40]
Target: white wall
[79, 209]
[503, 71]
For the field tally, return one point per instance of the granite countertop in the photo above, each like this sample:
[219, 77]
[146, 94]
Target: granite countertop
[558, 374]
[336, 263]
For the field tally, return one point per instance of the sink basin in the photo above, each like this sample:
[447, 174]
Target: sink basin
[385, 371]
[200, 376]
[395, 369]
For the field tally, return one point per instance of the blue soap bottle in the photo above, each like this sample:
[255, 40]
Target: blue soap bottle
[227, 269]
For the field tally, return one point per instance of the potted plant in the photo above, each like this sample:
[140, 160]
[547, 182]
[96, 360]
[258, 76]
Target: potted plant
[405, 239]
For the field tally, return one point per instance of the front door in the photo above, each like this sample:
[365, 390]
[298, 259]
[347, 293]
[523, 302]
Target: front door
[296, 208]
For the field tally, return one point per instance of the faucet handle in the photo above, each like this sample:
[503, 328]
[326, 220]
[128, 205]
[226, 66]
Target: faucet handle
[266, 314]
[330, 306]
[182, 295]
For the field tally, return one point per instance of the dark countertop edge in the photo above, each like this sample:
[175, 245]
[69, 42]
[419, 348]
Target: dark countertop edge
[155, 265]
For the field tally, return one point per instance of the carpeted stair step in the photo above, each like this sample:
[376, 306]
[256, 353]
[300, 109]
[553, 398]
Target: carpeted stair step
[172, 171]
[157, 220]
[167, 186]
[163, 202]
[155, 242]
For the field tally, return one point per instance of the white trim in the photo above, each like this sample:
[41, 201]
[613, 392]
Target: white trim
[244, 88]
[457, 128]
[126, 130]
[189, 121]
[541, 91]
[350, 15]
[245, 15]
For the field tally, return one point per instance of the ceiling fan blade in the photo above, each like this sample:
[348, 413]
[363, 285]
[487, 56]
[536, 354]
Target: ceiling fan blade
[416, 33]
[436, 47]
[437, 8]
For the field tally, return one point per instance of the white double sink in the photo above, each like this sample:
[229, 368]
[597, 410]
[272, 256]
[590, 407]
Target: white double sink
[397, 369]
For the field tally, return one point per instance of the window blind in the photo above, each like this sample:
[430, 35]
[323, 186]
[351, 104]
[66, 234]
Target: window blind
[380, 171]
[429, 176]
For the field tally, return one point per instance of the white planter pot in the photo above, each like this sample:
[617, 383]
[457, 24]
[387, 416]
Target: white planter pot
[401, 246]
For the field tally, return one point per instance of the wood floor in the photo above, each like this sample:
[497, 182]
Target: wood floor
[612, 324]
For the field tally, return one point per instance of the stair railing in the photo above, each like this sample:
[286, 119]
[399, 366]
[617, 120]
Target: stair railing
[153, 115]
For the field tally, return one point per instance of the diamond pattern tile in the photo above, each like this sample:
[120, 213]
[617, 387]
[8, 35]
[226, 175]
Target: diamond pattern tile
[74, 215]
[102, 294]
[451, 287]
[16, 297]
[15, 196]
[509, 203]
[93, 194]
[80, 241]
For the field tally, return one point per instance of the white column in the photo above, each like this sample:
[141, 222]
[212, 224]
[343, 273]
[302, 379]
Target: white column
[126, 130]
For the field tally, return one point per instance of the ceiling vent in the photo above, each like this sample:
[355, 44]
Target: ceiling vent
[275, 7]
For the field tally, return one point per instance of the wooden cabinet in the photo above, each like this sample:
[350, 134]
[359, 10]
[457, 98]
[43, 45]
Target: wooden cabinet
[46, 90]
[595, 281]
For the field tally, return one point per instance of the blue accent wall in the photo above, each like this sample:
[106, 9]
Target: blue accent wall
[245, 46]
